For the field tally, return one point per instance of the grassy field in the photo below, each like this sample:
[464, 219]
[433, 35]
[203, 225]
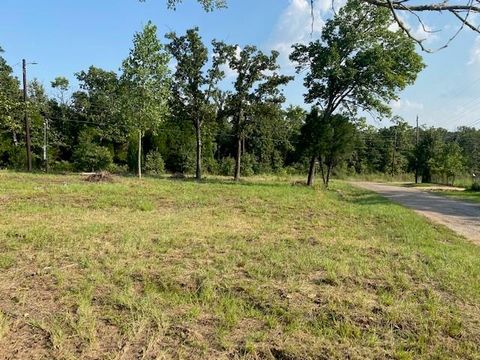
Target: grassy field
[448, 191]
[451, 192]
[259, 270]
[472, 196]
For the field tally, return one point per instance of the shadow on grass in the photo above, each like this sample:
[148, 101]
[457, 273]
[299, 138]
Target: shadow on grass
[364, 198]
[242, 182]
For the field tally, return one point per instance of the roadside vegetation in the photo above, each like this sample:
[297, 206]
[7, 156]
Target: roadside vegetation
[261, 268]
[467, 195]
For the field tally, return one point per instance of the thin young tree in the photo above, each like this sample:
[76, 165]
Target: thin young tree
[145, 83]
[358, 64]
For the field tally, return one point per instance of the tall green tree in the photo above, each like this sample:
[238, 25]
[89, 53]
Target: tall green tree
[469, 140]
[331, 139]
[448, 162]
[358, 64]
[9, 100]
[256, 81]
[194, 85]
[61, 84]
[98, 102]
[426, 151]
[11, 125]
[145, 84]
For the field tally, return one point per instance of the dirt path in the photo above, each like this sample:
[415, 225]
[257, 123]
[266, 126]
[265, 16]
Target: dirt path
[460, 216]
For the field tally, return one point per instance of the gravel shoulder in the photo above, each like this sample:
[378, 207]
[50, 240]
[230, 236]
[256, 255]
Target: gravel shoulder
[460, 216]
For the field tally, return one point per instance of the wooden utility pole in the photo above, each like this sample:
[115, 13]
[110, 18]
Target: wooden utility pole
[416, 152]
[28, 141]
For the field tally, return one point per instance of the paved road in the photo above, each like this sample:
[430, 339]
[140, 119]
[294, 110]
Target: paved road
[460, 216]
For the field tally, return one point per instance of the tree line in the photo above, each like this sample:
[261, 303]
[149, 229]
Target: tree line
[169, 108]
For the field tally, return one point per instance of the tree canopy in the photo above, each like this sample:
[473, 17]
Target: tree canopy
[195, 119]
[357, 64]
[194, 85]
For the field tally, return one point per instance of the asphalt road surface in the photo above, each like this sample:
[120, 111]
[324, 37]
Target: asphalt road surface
[460, 216]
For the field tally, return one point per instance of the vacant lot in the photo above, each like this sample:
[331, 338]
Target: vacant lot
[263, 269]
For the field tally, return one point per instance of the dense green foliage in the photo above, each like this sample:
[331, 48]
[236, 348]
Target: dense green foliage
[194, 86]
[188, 120]
[357, 64]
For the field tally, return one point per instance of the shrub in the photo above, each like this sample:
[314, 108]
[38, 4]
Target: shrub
[89, 156]
[248, 164]
[62, 166]
[227, 166]
[12, 156]
[475, 186]
[210, 165]
[154, 164]
[92, 157]
[180, 160]
[118, 169]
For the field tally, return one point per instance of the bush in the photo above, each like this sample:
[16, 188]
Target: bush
[62, 166]
[210, 165]
[475, 186]
[89, 156]
[118, 169]
[12, 156]
[248, 163]
[226, 166]
[92, 157]
[180, 160]
[154, 164]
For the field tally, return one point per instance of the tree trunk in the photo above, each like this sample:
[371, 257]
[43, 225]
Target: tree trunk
[198, 134]
[322, 171]
[329, 170]
[311, 172]
[238, 158]
[139, 160]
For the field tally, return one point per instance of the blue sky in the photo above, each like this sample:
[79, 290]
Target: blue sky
[64, 37]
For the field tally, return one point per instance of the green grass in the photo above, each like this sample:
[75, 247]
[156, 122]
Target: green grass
[459, 194]
[261, 269]
[472, 196]
[423, 185]
[379, 177]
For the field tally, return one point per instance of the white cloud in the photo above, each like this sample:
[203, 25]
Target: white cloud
[406, 104]
[424, 33]
[475, 53]
[420, 32]
[396, 104]
[295, 26]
